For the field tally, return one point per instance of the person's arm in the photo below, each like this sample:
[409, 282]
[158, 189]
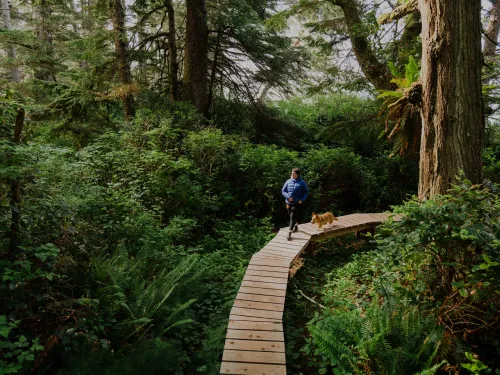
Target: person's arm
[306, 192]
[284, 191]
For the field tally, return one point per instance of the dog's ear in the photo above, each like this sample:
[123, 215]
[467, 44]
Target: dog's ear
[314, 214]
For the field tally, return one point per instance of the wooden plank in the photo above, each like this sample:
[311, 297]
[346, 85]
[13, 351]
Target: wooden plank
[298, 235]
[267, 258]
[257, 284]
[308, 225]
[255, 326]
[282, 275]
[368, 219]
[288, 255]
[381, 217]
[254, 335]
[263, 292]
[269, 263]
[293, 240]
[341, 232]
[243, 311]
[308, 231]
[268, 269]
[308, 228]
[283, 252]
[254, 357]
[277, 251]
[282, 246]
[277, 260]
[259, 305]
[284, 241]
[272, 255]
[295, 236]
[337, 226]
[260, 298]
[252, 319]
[349, 222]
[265, 279]
[398, 217]
[361, 218]
[235, 368]
[263, 346]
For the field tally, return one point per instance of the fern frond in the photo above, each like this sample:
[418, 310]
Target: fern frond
[432, 370]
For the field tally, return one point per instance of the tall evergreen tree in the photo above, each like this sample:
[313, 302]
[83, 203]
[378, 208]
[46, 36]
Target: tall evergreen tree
[452, 106]
[122, 56]
[196, 55]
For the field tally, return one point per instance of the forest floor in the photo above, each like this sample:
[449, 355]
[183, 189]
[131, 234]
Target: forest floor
[310, 279]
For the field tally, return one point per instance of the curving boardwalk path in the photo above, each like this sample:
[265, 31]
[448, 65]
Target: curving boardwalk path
[255, 344]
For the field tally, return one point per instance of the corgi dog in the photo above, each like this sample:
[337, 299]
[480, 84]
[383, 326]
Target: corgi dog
[322, 219]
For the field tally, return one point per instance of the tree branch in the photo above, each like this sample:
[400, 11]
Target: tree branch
[399, 12]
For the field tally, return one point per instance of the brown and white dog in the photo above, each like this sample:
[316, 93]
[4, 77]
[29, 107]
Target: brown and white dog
[321, 220]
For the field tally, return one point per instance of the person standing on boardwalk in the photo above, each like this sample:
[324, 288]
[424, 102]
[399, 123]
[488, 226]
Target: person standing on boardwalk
[295, 192]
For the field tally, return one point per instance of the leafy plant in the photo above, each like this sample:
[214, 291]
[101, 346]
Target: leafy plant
[15, 349]
[476, 366]
[402, 110]
[392, 337]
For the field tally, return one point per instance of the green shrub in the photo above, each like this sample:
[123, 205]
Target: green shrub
[337, 179]
[425, 295]
[389, 338]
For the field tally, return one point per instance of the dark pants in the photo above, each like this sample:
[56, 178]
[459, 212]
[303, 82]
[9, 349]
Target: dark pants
[294, 212]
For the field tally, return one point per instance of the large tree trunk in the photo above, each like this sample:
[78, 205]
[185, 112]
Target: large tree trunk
[196, 55]
[213, 70]
[11, 51]
[44, 36]
[15, 194]
[172, 53]
[452, 106]
[491, 34]
[122, 59]
[376, 72]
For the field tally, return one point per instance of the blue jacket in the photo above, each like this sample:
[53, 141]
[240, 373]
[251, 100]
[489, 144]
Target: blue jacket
[295, 188]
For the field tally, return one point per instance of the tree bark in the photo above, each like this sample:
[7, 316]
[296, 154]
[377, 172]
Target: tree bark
[122, 58]
[213, 70]
[172, 53]
[491, 34]
[376, 72]
[196, 55]
[15, 194]
[44, 35]
[452, 105]
[11, 51]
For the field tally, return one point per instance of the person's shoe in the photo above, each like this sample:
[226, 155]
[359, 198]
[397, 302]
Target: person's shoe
[289, 238]
[295, 228]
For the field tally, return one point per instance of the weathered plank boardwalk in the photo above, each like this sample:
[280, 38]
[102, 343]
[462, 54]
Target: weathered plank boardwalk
[255, 344]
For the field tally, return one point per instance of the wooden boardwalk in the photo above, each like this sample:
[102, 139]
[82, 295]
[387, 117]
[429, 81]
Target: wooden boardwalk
[255, 344]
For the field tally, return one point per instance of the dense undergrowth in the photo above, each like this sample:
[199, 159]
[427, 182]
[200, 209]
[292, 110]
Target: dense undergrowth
[426, 298]
[134, 239]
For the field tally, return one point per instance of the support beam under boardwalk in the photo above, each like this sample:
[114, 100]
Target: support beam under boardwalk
[255, 344]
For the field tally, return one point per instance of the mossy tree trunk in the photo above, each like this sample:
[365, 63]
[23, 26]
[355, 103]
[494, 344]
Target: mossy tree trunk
[196, 55]
[122, 56]
[452, 105]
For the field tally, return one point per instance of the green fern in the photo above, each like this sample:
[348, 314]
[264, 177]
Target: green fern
[432, 370]
[401, 108]
[142, 305]
[395, 338]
